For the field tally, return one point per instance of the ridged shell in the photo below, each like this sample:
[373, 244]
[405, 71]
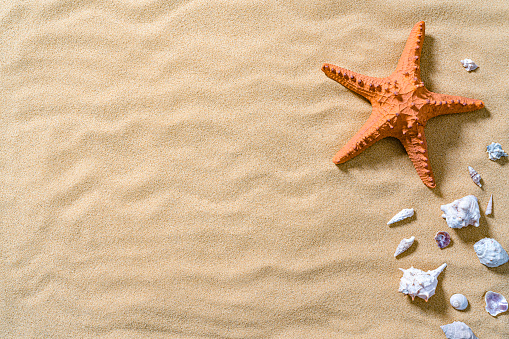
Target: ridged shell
[476, 177]
[462, 212]
[490, 252]
[443, 239]
[458, 330]
[489, 207]
[403, 214]
[495, 151]
[459, 301]
[404, 245]
[469, 64]
[417, 283]
[495, 303]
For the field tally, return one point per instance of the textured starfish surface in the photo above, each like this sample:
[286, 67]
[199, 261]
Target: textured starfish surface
[401, 106]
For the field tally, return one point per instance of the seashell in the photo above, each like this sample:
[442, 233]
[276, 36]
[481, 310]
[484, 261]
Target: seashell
[495, 303]
[459, 301]
[462, 212]
[417, 283]
[490, 252]
[443, 239]
[403, 214]
[476, 178]
[489, 207]
[458, 330]
[404, 245]
[495, 151]
[469, 64]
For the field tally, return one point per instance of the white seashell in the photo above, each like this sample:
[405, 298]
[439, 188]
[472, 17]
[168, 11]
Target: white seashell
[495, 151]
[462, 212]
[459, 301]
[489, 207]
[403, 214]
[476, 178]
[404, 245]
[458, 330]
[495, 303]
[468, 64]
[417, 283]
[490, 252]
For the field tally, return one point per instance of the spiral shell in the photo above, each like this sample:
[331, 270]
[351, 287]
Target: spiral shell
[403, 214]
[459, 301]
[476, 177]
[404, 245]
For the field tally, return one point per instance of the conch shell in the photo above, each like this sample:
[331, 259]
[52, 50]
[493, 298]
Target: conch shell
[469, 64]
[462, 212]
[417, 283]
[404, 245]
[458, 330]
[495, 151]
[490, 252]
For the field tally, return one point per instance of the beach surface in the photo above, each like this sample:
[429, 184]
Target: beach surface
[166, 169]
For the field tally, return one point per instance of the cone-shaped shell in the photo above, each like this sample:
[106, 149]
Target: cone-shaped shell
[403, 214]
[404, 245]
[489, 207]
[476, 177]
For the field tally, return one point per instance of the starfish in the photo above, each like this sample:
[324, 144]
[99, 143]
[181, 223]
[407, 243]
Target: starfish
[401, 106]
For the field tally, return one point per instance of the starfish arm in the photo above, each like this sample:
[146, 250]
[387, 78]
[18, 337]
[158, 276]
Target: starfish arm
[409, 62]
[361, 84]
[440, 104]
[417, 149]
[370, 133]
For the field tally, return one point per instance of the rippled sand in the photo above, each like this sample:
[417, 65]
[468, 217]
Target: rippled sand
[166, 169]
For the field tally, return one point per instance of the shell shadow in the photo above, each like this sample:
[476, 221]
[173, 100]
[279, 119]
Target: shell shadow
[502, 269]
[472, 234]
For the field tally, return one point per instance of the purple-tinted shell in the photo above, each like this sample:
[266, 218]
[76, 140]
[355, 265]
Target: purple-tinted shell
[443, 239]
[495, 303]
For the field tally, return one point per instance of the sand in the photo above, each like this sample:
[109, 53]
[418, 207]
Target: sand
[166, 169]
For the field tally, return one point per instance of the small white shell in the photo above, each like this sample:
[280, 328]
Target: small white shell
[417, 283]
[462, 212]
[489, 207]
[495, 303]
[468, 64]
[403, 214]
[476, 178]
[459, 301]
[495, 151]
[490, 252]
[458, 330]
[404, 245]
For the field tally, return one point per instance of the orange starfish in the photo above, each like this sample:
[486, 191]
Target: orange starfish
[401, 106]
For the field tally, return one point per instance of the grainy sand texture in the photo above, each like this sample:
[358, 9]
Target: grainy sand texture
[165, 169]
